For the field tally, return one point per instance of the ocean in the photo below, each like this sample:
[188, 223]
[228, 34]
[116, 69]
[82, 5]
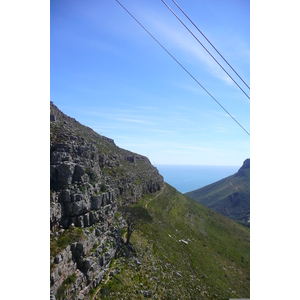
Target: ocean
[188, 178]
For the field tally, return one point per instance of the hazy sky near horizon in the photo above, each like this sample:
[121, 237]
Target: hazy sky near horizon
[110, 75]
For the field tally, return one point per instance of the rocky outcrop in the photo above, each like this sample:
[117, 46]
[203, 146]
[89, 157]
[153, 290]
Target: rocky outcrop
[86, 262]
[89, 177]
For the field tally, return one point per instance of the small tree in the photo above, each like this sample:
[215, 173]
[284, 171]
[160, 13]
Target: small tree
[134, 216]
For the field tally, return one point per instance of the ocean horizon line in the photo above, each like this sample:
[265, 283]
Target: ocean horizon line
[186, 178]
[195, 166]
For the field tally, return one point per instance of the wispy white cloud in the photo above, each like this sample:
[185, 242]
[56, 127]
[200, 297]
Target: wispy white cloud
[146, 142]
[179, 38]
[142, 116]
[194, 89]
[132, 120]
[221, 129]
[217, 113]
[145, 107]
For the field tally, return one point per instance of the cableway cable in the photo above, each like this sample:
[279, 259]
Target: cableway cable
[185, 69]
[211, 43]
[203, 47]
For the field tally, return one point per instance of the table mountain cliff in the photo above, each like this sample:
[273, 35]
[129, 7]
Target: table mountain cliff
[88, 171]
[89, 177]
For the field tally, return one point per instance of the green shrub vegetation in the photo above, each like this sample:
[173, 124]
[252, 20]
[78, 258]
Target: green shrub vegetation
[103, 187]
[92, 176]
[134, 216]
[69, 236]
[213, 262]
[65, 285]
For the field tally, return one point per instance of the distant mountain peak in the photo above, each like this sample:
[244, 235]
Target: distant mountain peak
[229, 196]
[246, 164]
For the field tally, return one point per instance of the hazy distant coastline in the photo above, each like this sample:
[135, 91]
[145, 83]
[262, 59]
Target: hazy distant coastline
[186, 178]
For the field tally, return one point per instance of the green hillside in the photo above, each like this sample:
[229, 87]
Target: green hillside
[229, 196]
[180, 249]
[187, 252]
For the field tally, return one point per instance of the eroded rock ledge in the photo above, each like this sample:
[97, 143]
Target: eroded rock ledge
[89, 177]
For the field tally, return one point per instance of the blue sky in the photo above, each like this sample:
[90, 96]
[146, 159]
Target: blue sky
[110, 75]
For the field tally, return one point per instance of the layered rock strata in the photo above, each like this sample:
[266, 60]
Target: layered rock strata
[89, 177]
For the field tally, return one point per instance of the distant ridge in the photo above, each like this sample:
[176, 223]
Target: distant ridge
[229, 196]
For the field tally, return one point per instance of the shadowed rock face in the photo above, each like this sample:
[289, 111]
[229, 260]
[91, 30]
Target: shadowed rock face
[246, 164]
[89, 177]
[244, 168]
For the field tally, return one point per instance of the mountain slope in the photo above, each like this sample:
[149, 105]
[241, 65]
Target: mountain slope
[187, 252]
[229, 196]
[89, 178]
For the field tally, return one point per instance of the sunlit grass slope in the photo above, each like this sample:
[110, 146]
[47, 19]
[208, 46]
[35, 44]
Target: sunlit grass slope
[187, 252]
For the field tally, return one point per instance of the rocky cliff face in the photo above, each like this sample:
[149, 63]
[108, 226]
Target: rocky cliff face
[89, 177]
